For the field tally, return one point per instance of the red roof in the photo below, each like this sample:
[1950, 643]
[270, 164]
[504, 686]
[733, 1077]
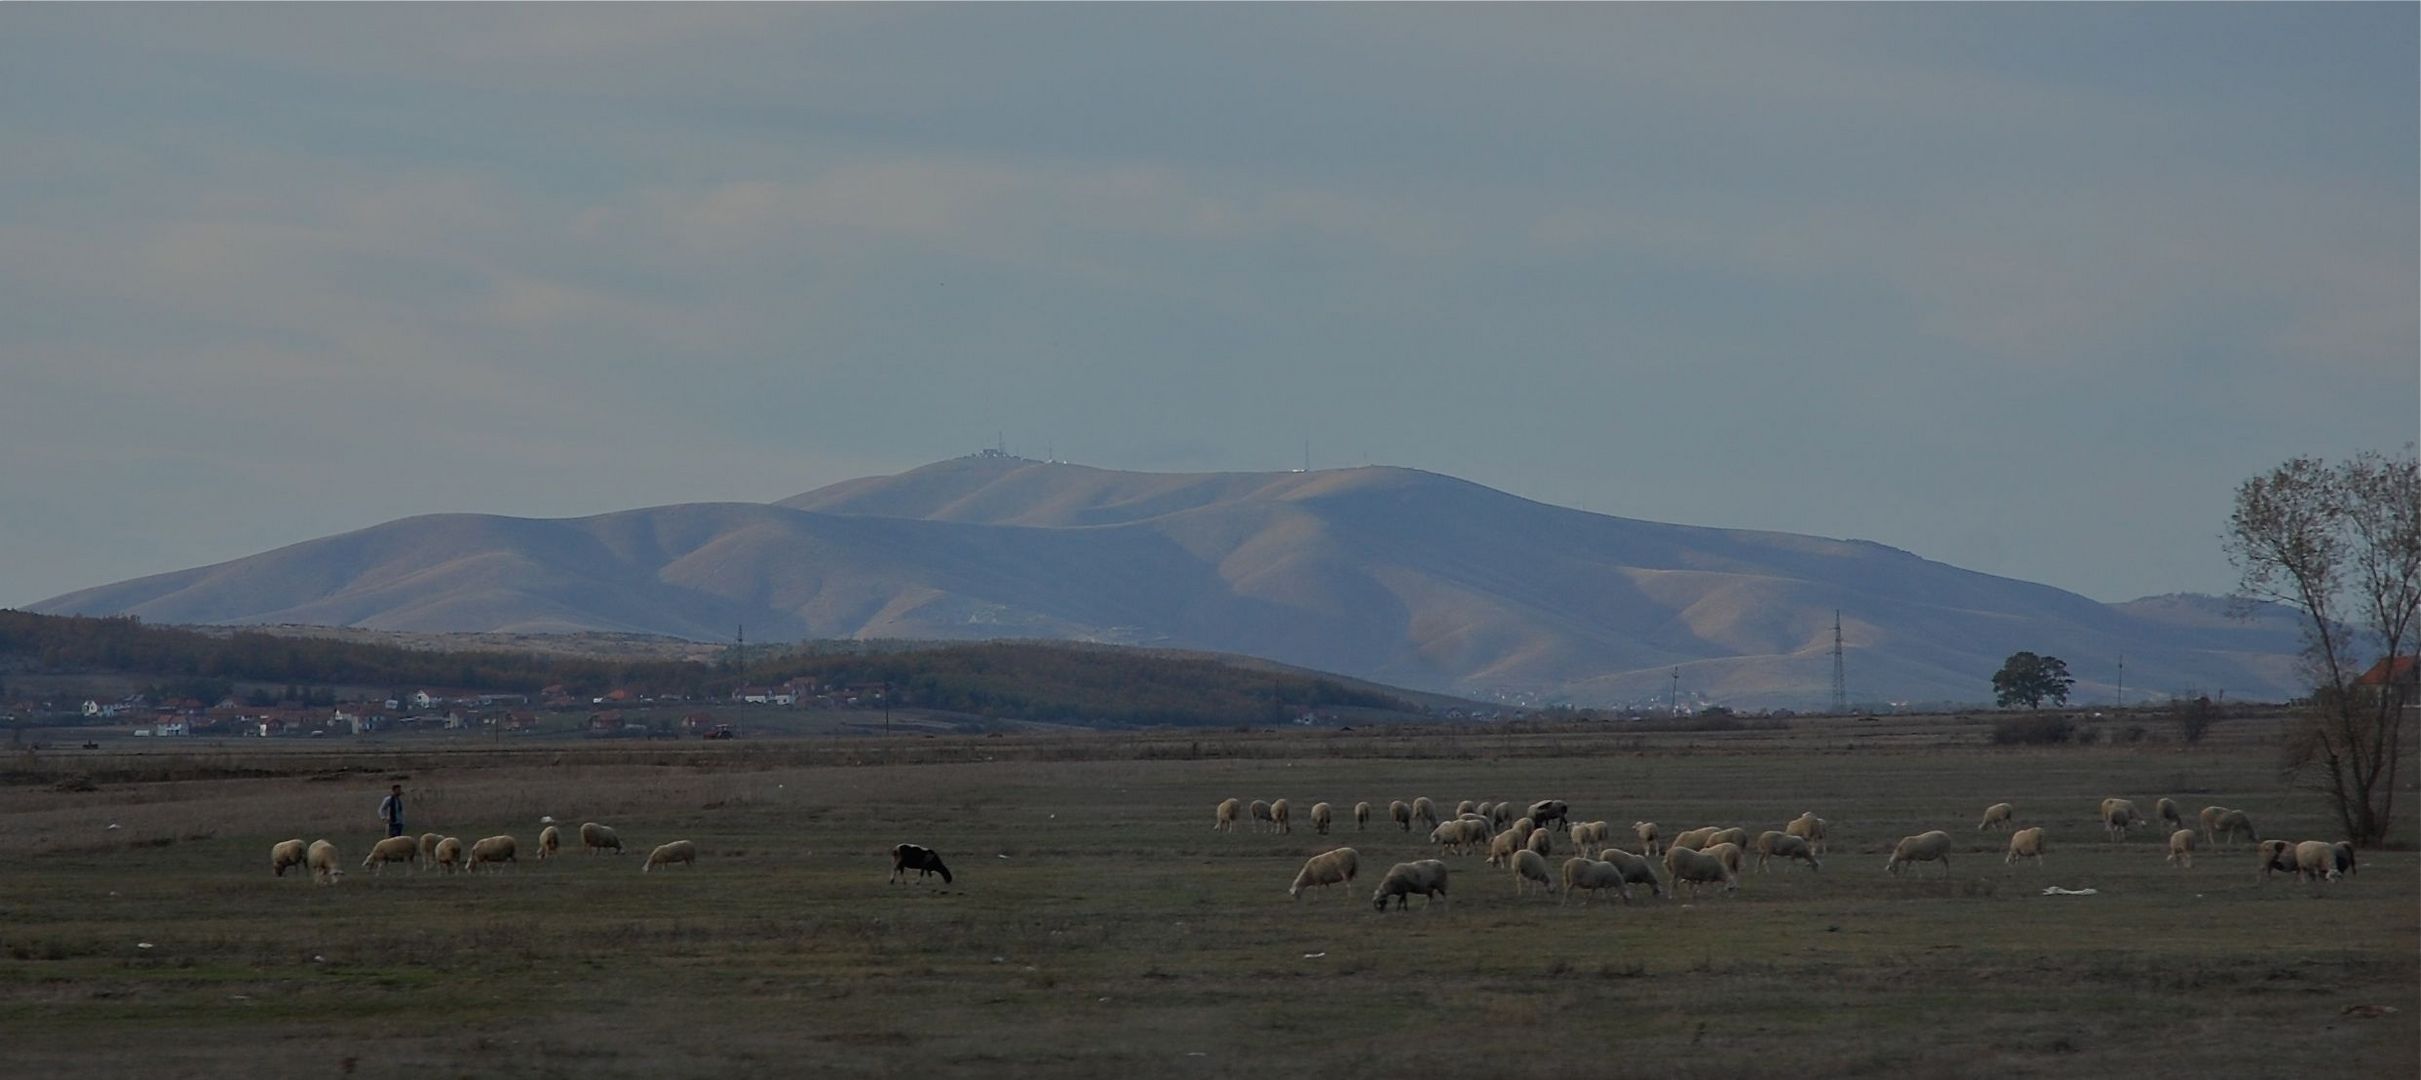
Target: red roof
[2403, 669]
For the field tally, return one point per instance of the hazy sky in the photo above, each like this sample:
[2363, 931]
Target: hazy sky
[2027, 289]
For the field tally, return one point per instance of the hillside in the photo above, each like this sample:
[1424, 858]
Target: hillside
[1394, 575]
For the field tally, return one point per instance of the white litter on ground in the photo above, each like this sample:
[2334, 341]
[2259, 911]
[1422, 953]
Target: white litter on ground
[2054, 890]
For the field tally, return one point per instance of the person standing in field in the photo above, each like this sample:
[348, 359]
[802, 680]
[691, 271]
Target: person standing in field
[390, 810]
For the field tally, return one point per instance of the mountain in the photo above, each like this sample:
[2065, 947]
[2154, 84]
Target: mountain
[1388, 574]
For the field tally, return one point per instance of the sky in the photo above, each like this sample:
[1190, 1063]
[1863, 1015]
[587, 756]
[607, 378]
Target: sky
[2028, 289]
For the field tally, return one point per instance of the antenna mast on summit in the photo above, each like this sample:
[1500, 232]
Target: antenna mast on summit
[1840, 676]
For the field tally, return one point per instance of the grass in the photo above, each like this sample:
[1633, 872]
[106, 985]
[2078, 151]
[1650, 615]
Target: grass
[1099, 928]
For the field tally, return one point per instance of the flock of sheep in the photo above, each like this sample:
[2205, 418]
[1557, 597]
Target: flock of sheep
[1521, 840]
[433, 852]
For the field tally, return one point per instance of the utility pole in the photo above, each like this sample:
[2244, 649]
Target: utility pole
[1673, 702]
[1840, 676]
[2122, 680]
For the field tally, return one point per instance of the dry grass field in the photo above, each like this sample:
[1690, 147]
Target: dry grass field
[1099, 927]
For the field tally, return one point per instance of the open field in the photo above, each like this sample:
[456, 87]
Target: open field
[1098, 927]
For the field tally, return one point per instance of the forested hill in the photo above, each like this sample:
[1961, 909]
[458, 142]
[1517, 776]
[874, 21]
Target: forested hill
[1027, 680]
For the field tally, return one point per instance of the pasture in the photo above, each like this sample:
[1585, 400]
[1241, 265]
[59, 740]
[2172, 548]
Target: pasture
[1099, 927]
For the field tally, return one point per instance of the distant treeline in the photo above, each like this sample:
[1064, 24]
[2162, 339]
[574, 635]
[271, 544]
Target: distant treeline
[1038, 681]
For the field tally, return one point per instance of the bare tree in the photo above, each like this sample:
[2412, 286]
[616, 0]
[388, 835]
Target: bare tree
[2342, 545]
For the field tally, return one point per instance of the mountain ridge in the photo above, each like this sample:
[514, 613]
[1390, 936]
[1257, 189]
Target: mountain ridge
[1397, 575]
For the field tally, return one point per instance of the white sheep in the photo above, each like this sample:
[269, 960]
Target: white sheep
[402, 849]
[1502, 846]
[678, 851]
[2181, 848]
[1464, 807]
[286, 854]
[428, 850]
[2118, 815]
[321, 857]
[1502, 814]
[2316, 860]
[2164, 810]
[1424, 811]
[1782, 845]
[1401, 811]
[595, 838]
[1530, 866]
[1692, 867]
[1281, 816]
[1327, 868]
[2026, 843]
[1731, 855]
[1450, 835]
[1426, 877]
[550, 842]
[2210, 822]
[1635, 869]
[1263, 818]
[1587, 834]
[1646, 832]
[1541, 841]
[1225, 821]
[2232, 822]
[1584, 874]
[447, 854]
[497, 850]
[1735, 836]
[1807, 826]
[1996, 816]
[1694, 839]
[1924, 847]
[1361, 815]
[1321, 817]
[1522, 828]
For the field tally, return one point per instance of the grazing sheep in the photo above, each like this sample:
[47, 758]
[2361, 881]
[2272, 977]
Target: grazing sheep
[1321, 818]
[428, 850]
[1502, 846]
[1692, 867]
[1326, 868]
[2345, 858]
[402, 849]
[1541, 841]
[686, 853]
[1550, 810]
[1426, 877]
[1281, 816]
[1529, 866]
[1501, 814]
[1646, 832]
[1996, 815]
[1737, 837]
[2118, 815]
[550, 842]
[904, 857]
[495, 849]
[1584, 874]
[1424, 811]
[1459, 835]
[1730, 855]
[2027, 843]
[1263, 819]
[1636, 870]
[1522, 827]
[1361, 815]
[448, 854]
[2228, 824]
[2210, 822]
[1225, 817]
[2165, 811]
[1807, 826]
[1782, 845]
[595, 838]
[1924, 847]
[1401, 811]
[321, 857]
[1464, 807]
[1587, 834]
[1695, 839]
[2316, 860]
[2277, 856]
[2181, 848]
[284, 854]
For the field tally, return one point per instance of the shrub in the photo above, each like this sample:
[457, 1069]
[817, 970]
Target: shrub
[2032, 730]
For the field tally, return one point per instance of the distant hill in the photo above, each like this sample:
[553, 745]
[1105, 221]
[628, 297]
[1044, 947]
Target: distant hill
[1394, 575]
